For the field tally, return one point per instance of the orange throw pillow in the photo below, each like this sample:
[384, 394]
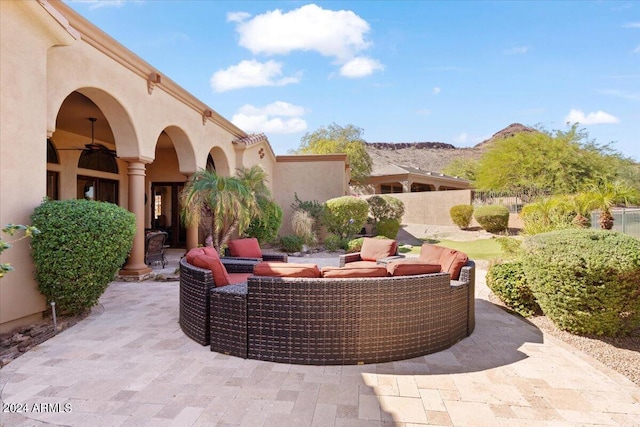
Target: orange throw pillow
[200, 258]
[284, 269]
[245, 248]
[411, 268]
[350, 271]
[452, 262]
[430, 254]
[375, 249]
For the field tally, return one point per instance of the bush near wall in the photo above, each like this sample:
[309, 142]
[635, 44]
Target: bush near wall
[388, 228]
[80, 248]
[509, 283]
[586, 281]
[291, 243]
[266, 229]
[461, 215]
[345, 216]
[332, 242]
[493, 219]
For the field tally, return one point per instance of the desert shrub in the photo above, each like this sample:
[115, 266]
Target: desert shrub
[81, 246]
[332, 242]
[511, 246]
[345, 216]
[266, 229]
[388, 228]
[315, 210]
[461, 215]
[493, 219]
[291, 243]
[385, 207]
[354, 245]
[509, 283]
[586, 281]
[303, 226]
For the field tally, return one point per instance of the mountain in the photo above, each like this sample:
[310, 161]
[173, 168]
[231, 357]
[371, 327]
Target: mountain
[432, 156]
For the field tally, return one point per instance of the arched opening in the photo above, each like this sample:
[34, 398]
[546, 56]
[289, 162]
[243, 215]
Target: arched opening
[53, 171]
[87, 163]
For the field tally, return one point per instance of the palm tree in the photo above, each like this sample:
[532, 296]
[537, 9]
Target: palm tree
[223, 205]
[607, 195]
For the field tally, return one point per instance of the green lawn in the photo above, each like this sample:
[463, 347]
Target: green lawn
[485, 249]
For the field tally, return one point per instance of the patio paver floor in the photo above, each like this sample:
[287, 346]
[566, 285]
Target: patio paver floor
[129, 364]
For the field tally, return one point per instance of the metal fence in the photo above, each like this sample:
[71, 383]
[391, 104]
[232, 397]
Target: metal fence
[513, 201]
[624, 220]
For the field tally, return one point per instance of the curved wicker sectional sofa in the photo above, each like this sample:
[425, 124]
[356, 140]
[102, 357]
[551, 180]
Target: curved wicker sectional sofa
[328, 321]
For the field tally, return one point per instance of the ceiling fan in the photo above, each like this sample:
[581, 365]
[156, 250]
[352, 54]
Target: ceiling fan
[92, 146]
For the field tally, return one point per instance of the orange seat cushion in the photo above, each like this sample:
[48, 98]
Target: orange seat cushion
[452, 262]
[411, 267]
[205, 250]
[284, 269]
[213, 263]
[374, 249]
[430, 254]
[352, 271]
[238, 277]
[361, 264]
[245, 248]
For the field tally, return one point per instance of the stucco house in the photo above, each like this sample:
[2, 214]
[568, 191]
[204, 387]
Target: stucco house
[393, 178]
[83, 117]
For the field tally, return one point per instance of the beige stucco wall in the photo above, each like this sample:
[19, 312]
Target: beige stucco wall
[312, 177]
[431, 207]
[43, 60]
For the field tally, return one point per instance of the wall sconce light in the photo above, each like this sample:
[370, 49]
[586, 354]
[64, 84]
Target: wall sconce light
[153, 80]
[206, 114]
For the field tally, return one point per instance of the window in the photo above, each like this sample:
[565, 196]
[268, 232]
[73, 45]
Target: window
[53, 179]
[388, 189]
[100, 159]
[90, 188]
[52, 153]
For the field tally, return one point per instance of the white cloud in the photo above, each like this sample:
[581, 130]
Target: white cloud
[632, 25]
[436, 90]
[278, 117]
[337, 34]
[237, 16]
[360, 67]
[518, 50]
[599, 117]
[251, 74]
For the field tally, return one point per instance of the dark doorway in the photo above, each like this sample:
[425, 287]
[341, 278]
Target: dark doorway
[165, 212]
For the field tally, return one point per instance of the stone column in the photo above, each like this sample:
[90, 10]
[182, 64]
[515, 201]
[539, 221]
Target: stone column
[406, 186]
[136, 268]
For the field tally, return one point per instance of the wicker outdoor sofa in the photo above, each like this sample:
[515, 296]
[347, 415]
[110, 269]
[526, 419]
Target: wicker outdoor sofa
[327, 321]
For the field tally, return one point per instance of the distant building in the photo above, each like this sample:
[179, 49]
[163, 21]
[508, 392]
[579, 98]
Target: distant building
[404, 179]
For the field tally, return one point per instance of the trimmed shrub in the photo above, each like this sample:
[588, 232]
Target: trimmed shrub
[586, 281]
[291, 243]
[385, 207]
[332, 242]
[388, 228]
[345, 216]
[354, 245]
[461, 215]
[266, 229]
[81, 246]
[509, 283]
[493, 219]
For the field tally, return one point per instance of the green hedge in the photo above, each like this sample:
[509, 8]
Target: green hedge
[388, 228]
[345, 216]
[291, 243]
[80, 248]
[461, 215]
[332, 242]
[493, 219]
[509, 283]
[266, 229]
[586, 281]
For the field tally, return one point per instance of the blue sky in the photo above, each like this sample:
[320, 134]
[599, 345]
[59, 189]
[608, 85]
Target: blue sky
[403, 71]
